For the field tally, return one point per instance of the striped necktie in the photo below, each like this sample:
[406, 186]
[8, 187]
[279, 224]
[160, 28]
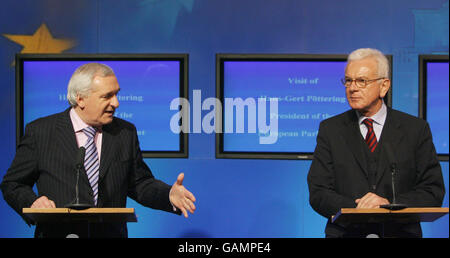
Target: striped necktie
[91, 162]
[371, 138]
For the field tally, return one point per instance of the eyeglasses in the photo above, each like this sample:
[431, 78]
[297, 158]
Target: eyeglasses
[360, 82]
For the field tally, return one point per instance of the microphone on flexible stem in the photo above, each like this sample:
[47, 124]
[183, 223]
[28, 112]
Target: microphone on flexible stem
[393, 166]
[79, 165]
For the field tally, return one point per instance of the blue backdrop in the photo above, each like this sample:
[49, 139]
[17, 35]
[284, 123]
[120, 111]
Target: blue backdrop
[236, 198]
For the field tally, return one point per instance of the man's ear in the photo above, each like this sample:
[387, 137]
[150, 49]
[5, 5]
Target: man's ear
[385, 86]
[81, 101]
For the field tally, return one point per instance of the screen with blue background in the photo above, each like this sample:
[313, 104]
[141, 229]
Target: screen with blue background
[146, 90]
[437, 103]
[307, 93]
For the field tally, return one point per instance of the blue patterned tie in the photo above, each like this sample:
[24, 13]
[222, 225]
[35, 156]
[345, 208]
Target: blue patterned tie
[91, 162]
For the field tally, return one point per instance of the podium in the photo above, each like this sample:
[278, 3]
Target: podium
[85, 217]
[347, 216]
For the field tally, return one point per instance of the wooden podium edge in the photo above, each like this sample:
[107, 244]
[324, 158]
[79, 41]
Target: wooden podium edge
[68, 210]
[91, 212]
[431, 210]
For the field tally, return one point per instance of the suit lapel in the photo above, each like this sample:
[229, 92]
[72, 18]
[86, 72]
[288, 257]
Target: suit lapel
[350, 130]
[393, 135]
[65, 137]
[108, 147]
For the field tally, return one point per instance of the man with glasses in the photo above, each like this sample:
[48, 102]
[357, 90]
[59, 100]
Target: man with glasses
[356, 150]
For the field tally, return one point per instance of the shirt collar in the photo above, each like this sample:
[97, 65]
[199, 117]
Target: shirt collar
[77, 122]
[379, 117]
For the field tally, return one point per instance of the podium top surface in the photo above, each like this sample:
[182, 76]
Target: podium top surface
[408, 215]
[94, 215]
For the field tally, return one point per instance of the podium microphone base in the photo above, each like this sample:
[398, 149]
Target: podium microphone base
[78, 206]
[394, 206]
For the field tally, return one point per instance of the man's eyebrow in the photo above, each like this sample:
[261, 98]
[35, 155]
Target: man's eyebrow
[110, 93]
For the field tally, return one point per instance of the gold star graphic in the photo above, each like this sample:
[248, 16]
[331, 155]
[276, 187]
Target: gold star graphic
[41, 41]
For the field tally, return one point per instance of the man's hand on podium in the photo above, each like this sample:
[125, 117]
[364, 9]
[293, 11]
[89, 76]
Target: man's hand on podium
[43, 203]
[181, 198]
[370, 201]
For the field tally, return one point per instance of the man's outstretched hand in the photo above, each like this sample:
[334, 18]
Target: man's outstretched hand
[181, 198]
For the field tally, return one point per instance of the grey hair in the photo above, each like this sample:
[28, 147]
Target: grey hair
[81, 80]
[382, 61]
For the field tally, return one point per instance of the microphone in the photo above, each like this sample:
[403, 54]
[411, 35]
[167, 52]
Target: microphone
[79, 166]
[80, 158]
[393, 167]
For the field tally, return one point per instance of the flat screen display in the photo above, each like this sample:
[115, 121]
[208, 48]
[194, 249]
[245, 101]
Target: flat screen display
[148, 84]
[434, 96]
[307, 90]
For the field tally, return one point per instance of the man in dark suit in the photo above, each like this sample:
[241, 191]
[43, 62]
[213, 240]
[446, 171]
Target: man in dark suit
[113, 164]
[355, 150]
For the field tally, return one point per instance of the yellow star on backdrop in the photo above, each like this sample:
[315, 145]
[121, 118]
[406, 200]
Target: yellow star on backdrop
[41, 41]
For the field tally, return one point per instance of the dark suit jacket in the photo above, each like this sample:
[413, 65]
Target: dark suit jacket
[46, 156]
[339, 172]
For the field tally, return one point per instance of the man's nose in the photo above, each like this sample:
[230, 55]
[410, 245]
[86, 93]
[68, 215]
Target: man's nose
[115, 102]
[353, 86]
